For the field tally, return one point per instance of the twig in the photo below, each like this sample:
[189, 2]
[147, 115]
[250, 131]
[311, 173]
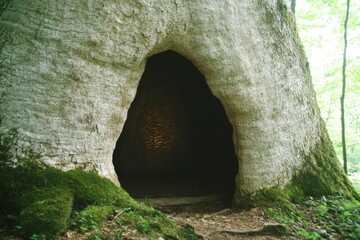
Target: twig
[218, 213]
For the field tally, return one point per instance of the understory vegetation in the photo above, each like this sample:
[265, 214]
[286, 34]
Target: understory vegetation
[333, 217]
[41, 202]
[321, 217]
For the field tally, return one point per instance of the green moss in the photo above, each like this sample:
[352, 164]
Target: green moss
[294, 193]
[48, 217]
[90, 189]
[154, 225]
[273, 197]
[5, 145]
[322, 173]
[41, 199]
[97, 213]
[91, 217]
[27, 183]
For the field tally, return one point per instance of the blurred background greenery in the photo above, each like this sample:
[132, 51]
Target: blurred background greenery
[321, 28]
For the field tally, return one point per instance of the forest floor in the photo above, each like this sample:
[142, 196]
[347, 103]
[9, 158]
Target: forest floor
[318, 219]
[210, 221]
[325, 218]
[215, 221]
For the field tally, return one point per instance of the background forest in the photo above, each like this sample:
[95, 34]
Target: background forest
[321, 28]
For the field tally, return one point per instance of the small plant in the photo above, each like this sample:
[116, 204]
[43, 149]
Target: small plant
[339, 214]
[332, 216]
[18, 229]
[90, 218]
[38, 237]
[309, 235]
[118, 235]
[95, 237]
[282, 217]
[83, 222]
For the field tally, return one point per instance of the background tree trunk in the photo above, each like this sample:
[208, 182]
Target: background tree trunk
[343, 135]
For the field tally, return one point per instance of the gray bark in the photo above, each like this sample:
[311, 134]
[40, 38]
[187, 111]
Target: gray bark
[70, 69]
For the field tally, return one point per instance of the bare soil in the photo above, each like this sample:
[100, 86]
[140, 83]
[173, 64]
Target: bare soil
[210, 219]
[216, 221]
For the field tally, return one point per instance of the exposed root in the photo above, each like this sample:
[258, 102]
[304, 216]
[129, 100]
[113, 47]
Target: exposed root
[267, 229]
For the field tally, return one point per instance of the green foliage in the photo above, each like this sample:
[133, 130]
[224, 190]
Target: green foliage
[273, 197]
[294, 193]
[149, 225]
[90, 189]
[95, 237]
[25, 184]
[46, 217]
[5, 146]
[284, 217]
[91, 218]
[308, 235]
[339, 214]
[37, 237]
[331, 217]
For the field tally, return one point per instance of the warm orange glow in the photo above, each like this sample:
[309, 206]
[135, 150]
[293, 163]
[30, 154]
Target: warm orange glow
[157, 128]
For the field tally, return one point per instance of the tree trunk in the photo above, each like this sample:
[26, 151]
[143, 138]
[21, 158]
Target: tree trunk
[70, 71]
[342, 99]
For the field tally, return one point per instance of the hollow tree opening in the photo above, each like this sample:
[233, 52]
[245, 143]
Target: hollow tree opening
[177, 139]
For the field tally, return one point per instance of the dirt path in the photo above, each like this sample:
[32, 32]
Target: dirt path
[215, 221]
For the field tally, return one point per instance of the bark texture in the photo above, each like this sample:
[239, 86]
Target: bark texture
[69, 71]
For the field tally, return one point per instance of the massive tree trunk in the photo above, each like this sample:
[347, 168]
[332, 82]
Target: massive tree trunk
[69, 71]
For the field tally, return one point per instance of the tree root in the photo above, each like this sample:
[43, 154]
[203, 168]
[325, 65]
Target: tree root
[267, 229]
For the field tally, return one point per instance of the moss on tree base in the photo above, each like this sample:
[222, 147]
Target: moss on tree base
[48, 217]
[321, 175]
[43, 201]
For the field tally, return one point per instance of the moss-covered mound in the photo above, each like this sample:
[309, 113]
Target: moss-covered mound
[49, 216]
[38, 200]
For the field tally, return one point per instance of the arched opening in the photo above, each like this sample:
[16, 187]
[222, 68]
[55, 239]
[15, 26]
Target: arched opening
[177, 139]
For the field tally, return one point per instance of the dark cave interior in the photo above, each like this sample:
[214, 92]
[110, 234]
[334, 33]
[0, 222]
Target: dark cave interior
[177, 139]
